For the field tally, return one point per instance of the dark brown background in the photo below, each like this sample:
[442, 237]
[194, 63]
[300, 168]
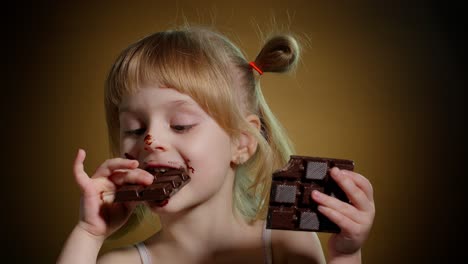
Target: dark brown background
[380, 84]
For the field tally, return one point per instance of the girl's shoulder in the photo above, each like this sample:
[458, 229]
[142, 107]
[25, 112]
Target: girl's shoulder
[296, 247]
[128, 254]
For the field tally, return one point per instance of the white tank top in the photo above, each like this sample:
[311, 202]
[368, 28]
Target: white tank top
[145, 255]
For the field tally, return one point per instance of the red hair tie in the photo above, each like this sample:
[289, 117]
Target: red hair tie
[255, 67]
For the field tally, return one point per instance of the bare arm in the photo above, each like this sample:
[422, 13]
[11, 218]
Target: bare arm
[80, 247]
[345, 258]
[100, 218]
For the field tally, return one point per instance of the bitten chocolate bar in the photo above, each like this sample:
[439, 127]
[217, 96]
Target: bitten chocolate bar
[167, 182]
[291, 206]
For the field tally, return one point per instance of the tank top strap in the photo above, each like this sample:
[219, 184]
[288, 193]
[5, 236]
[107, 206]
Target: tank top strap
[144, 253]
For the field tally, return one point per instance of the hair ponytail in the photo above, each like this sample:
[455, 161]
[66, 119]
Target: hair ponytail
[279, 54]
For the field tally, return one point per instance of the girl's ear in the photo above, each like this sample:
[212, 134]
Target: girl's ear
[246, 144]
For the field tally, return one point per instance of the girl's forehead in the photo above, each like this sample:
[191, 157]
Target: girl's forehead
[150, 97]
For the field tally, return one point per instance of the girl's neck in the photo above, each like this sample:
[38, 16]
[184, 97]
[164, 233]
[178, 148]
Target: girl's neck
[209, 227]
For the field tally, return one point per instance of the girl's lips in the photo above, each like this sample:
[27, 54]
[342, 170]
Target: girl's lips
[159, 167]
[158, 204]
[160, 170]
[163, 203]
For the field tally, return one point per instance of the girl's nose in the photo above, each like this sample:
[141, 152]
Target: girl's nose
[152, 144]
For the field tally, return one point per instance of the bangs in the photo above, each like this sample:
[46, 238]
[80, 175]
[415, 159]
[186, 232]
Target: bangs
[182, 60]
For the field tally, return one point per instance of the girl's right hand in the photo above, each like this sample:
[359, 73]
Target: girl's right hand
[99, 217]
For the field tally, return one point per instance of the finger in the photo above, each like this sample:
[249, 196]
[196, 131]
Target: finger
[357, 196]
[108, 197]
[110, 165]
[335, 204]
[121, 177]
[81, 177]
[362, 182]
[347, 225]
[136, 176]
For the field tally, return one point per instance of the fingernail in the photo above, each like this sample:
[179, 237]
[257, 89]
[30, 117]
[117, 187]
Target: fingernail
[320, 208]
[316, 194]
[337, 171]
[108, 197]
[133, 164]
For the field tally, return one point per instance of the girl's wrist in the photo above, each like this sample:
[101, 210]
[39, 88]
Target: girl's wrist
[84, 229]
[336, 257]
[80, 247]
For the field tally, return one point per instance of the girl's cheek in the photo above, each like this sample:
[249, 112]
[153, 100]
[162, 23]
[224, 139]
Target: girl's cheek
[127, 145]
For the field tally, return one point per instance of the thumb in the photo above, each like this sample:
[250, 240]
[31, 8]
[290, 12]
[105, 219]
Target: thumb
[78, 169]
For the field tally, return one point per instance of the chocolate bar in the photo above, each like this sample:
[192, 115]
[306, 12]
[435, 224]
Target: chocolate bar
[291, 206]
[166, 183]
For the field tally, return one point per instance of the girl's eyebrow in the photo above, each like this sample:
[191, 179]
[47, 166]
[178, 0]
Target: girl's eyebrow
[184, 105]
[180, 103]
[173, 104]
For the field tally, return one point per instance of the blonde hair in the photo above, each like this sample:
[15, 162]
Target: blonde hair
[209, 68]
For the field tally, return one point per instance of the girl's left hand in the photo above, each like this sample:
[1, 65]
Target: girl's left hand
[355, 219]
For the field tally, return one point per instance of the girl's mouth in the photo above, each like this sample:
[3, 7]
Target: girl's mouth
[157, 170]
[162, 204]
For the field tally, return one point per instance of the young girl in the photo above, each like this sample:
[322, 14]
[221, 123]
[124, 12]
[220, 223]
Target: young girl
[198, 100]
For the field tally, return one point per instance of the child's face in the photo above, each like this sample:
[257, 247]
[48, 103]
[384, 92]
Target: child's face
[162, 127]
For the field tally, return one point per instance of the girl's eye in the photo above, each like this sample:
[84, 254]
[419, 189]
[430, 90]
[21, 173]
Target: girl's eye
[181, 128]
[136, 132]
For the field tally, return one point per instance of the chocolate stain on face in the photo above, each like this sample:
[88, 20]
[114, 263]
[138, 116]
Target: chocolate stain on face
[190, 168]
[148, 139]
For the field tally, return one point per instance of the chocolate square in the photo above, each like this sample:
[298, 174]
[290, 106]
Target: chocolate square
[291, 207]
